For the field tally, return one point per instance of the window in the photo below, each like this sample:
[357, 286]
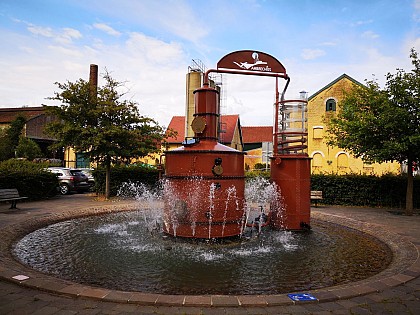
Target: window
[342, 161]
[330, 105]
[318, 132]
[317, 160]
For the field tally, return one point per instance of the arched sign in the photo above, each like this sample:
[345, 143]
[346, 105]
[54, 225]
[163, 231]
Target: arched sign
[251, 60]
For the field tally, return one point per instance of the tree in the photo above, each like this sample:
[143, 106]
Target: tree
[98, 122]
[9, 139]
[382, 125]
[27, 148]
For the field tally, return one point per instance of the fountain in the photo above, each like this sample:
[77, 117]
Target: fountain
[129, 251]
[208, 231]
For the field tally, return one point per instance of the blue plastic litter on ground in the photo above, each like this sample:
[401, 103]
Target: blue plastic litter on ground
[302, 297]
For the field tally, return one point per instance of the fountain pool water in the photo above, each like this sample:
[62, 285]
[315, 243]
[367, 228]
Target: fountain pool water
[128, 251]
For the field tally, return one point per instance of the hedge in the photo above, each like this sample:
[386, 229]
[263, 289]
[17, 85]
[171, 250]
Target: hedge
[365, 190]
[360, 190]
[122, 174]
[29, 178]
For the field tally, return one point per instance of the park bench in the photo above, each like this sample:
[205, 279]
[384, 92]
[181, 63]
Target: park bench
[12, 195]
[316, 195]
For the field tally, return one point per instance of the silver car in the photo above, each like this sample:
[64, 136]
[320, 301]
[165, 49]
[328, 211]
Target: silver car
[70, 180]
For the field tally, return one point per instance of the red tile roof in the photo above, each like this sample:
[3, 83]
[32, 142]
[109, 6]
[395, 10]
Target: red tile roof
[7, 115]
[177, 124]
[229, 123]
[257, 134]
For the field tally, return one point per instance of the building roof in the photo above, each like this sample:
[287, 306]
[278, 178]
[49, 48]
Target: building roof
[228, 122]
[177, 124]
[334, 82]
[228, 125]
[7, 115]
[257, 134]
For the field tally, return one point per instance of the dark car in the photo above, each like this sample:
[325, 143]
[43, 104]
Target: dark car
[91, 179]
[70, 180]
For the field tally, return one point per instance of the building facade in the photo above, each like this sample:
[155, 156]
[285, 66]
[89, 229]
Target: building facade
[322, 105]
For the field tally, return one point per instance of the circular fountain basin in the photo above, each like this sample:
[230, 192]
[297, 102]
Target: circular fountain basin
[120, 251]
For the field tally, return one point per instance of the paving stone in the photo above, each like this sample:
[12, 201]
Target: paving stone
[413, 306]
[175, 300]
[224, 301]
[46, 310]
[275, 300]
[204, 301]
[251, 300]
[398, 294]
[358, 310]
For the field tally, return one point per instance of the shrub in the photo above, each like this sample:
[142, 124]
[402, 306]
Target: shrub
[365, 190]
[253, 174]
[122, 174]
[30, 179]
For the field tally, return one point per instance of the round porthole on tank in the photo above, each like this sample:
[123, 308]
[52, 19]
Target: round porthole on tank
[198, 124]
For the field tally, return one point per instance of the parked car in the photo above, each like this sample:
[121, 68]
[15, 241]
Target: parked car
[70, 180]
[91, 179]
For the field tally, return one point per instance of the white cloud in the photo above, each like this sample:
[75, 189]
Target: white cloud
[369, 35]
[39, 30]
[361, 22]
[64, 36]
[153, 50]
[72, 52]
[107, 29]
[174, 17]
[310, 54]
[328, 44]
[153, 69]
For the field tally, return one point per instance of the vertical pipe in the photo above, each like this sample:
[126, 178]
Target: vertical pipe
[276, 120]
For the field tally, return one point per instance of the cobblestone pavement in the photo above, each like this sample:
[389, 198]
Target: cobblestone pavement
[397, 292]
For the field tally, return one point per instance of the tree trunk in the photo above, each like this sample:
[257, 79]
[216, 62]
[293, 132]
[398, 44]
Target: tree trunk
[107, 178]
[409, 193]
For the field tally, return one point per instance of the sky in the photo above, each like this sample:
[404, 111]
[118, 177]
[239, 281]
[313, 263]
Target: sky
[150, 45]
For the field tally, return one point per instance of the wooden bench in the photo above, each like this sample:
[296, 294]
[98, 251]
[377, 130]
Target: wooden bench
[316, 195]
[12, 195]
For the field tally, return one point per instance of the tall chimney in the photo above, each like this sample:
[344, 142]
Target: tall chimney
[93, 80]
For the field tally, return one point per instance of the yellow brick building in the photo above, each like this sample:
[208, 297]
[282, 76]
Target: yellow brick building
[333, 160]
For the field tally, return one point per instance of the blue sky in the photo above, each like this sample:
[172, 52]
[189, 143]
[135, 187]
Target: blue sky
[150, 44]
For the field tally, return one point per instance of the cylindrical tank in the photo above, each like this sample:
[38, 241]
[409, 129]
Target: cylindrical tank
[291, 173]
[291, 167]
[205, 182]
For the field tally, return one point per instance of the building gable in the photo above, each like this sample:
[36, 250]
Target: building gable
[334, 83]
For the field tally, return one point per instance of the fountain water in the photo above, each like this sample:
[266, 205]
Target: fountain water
[204, 197]
[130, 251]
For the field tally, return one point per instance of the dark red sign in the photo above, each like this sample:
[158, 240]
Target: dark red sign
[251, 60]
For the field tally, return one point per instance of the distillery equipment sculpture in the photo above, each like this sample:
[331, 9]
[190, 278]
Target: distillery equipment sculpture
[205, 179]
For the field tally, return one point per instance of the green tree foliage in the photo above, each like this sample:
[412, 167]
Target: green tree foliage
[9, 138]
[381, 125]
[100, 123]
[27, 148]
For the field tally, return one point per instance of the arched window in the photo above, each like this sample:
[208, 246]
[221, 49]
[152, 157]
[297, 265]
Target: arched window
[330, 105]
[317, 160]
[342, 161]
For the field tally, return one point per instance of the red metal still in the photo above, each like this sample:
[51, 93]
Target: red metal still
[291, 166]
[205, 179]
[291, 173]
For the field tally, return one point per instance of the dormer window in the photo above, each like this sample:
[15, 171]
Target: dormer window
[330, 105]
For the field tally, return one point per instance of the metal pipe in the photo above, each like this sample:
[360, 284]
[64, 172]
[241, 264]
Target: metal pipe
[232, 71]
